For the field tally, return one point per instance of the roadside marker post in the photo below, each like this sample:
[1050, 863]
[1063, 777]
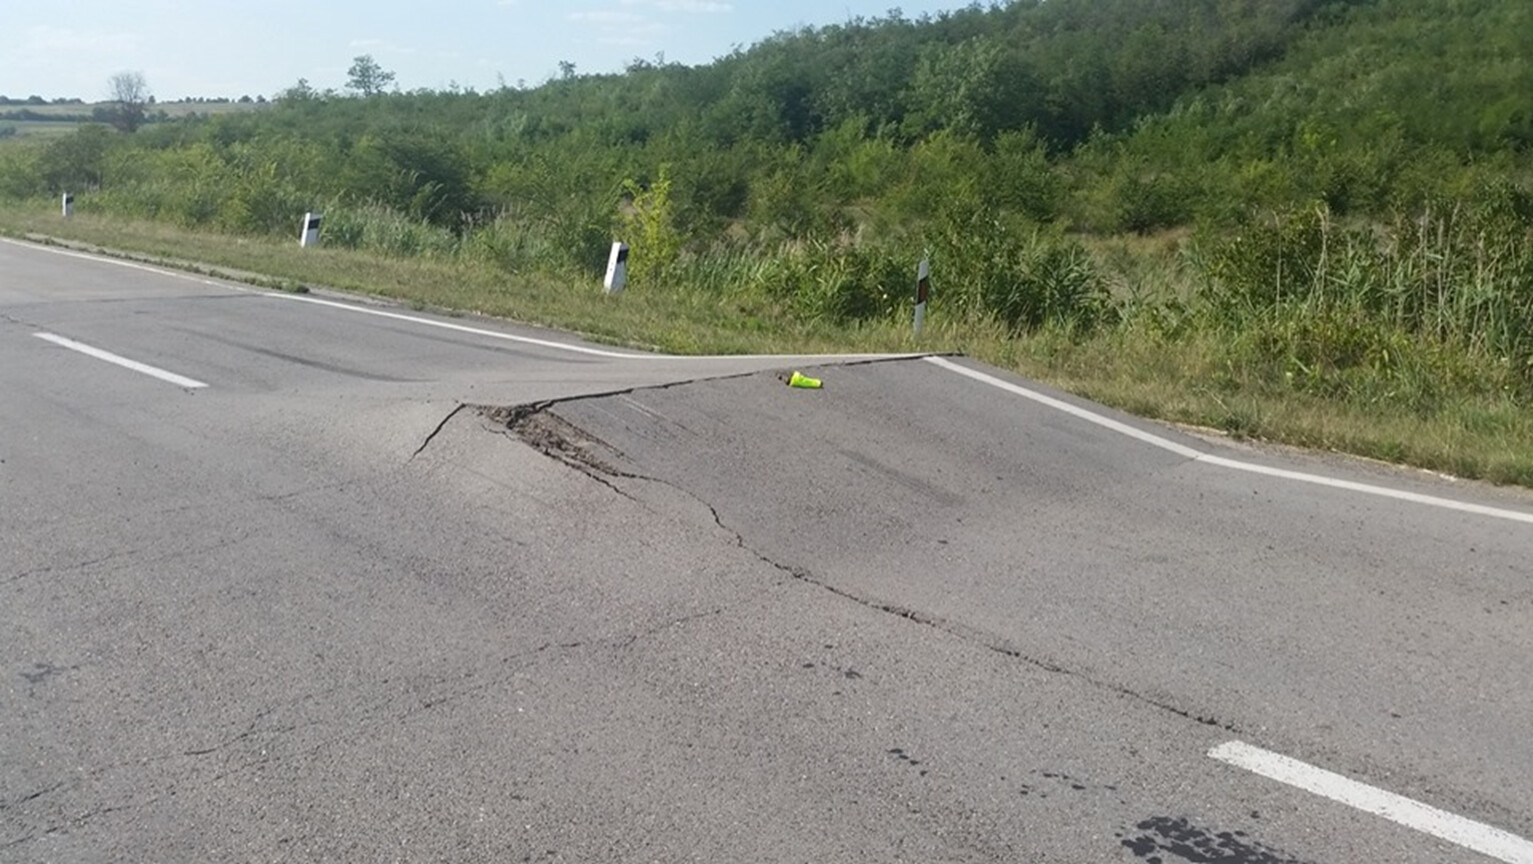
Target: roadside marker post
[310, 235]
[617, 269]
[923, 292]
[69, 205]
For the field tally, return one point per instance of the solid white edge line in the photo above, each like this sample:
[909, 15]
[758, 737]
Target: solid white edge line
[493, 334]
[1233, 464]
[131, 265]
[476, 331]
[1476, 836]
[582, 349]
[1066, 407]
[144, 368]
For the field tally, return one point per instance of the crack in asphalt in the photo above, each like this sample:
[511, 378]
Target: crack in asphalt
[511, 415]
[77, 821]
[975, 637]
[135, 553]
[556, 440]
[437, 431]
[33, 796]
[69, 568]
[959, 631]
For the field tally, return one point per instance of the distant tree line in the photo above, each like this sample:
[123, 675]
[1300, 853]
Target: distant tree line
[38, 100]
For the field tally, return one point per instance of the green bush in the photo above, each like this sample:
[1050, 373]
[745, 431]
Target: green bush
[378, 228]
[19, 174]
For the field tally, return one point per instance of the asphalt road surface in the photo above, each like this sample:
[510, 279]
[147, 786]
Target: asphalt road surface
[296, 578]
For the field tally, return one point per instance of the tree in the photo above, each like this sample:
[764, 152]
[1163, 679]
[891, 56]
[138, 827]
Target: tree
[300, 92]
[75, 161]
[367, 78]
[129, 93]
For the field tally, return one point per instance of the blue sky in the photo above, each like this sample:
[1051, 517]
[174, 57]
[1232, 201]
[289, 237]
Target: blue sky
[69, 48]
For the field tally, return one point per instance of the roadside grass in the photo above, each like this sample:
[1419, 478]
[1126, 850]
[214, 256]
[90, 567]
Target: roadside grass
[1191, 375]
[1194, 382]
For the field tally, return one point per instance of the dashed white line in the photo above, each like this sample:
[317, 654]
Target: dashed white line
[1476, 836]
[1233, 464]
[144, 368]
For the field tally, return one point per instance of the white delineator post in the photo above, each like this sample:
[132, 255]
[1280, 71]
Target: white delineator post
[310, 236]
[69, 204]
[617, 268]
[923, 292]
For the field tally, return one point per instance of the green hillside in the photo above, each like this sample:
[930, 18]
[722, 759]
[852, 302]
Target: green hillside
[1304, 219]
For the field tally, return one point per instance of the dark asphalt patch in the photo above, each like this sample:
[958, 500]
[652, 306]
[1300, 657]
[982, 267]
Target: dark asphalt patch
[1163, 839]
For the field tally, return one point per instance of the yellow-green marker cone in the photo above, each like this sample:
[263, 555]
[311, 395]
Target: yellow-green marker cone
[805, 382]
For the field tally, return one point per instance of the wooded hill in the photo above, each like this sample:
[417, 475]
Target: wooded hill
[1109, 114]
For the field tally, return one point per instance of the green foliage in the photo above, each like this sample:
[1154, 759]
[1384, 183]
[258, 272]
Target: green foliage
[421, 175]
[572, 202]
[75, 161]
[1023, 278]
[366, 77]
[979, 87]
[377, 228]
[828, 283]
[649, 224]
[1431, 303]
[20, 171]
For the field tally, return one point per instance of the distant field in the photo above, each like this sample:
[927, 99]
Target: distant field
[33, 129]
[67, 115]
[47, 110]
[181, 109]
[174, 109]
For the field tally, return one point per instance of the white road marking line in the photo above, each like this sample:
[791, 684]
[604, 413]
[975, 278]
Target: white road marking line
[156, 372]
[1066, 407]
[476, 331]
[1233, 464]
[1476, 836]
[583, 349]
[132, 265]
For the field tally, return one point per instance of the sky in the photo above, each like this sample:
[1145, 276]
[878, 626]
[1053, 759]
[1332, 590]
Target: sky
[70, 48]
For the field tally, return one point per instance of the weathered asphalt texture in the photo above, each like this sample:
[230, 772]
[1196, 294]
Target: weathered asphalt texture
[322, 611]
